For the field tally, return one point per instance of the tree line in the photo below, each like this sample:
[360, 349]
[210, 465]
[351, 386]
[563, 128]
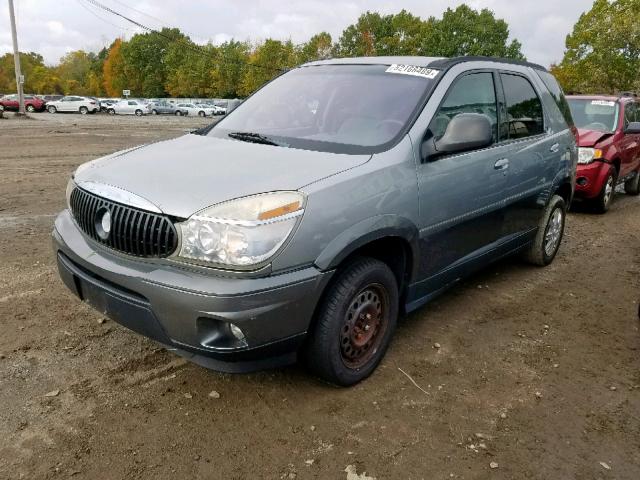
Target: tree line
[602, 55]
[169, 63]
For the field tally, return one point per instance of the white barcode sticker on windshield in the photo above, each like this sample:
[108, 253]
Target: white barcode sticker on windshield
[604, 103]
[413, 70]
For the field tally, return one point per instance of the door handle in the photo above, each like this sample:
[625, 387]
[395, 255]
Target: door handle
[501, 164]
[555, 148]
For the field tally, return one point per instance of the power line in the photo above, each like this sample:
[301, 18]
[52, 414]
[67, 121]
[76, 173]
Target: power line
[142, 13]
[191, 46]
[103, 19]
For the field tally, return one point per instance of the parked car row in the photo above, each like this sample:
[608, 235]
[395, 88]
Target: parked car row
[84, 105]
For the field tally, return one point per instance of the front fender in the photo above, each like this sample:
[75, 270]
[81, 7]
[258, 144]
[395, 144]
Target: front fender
[367, 231]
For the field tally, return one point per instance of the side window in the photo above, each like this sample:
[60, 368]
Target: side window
[558, 95]
[132, 103]
[524, 109]
[630, 113]
[471, 93]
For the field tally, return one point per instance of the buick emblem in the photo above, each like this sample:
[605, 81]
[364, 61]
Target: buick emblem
[103, 223]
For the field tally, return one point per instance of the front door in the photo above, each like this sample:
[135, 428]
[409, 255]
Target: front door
[461, 195]
[630, 143]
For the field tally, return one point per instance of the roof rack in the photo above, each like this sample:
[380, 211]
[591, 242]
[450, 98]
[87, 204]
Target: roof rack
[450, 62]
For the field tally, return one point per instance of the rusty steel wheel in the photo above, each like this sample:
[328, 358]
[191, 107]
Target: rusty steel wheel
[364, 326]
[354, 322]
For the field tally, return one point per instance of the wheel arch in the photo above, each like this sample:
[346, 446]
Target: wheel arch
[389, 238]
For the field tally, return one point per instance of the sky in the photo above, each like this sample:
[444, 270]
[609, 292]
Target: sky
[55, 27]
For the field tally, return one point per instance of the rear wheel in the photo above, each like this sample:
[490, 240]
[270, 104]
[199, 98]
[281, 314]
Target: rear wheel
[604, 199]
[550, 232]
[84, 110]
[178, 113]
[632, 186]
[111, 111]
[52, 109]
[154, 112]
[201, 113]
[138, 113]
[355, 323]
[31, 108]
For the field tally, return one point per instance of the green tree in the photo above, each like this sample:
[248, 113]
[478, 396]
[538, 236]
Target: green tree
[603, 52]
[143, 55]
[230, 66]
[317, 48]
[189, 70]
[73, 72]
[465, 31]
[265, 62]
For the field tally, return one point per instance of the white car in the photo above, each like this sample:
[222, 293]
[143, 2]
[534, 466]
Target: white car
[193, 109]
[129, 107]
[71, 103]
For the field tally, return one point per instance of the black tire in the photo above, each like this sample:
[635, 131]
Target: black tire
[202, 114]
[632, 186]
[111, 111]
[83, 110]
[52, 109]
[549, 236]
[154, 112]
[364, 295]
[31, 108]
[603, 201]
[138, 113]
[178, 113]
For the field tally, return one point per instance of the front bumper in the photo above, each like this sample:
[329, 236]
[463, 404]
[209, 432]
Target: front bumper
[189, 310]
[590, 178]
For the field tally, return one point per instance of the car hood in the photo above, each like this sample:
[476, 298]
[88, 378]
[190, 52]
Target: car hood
[192, 172]
[590, 138]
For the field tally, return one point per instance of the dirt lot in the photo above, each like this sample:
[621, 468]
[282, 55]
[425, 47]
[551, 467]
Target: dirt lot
[538, 370]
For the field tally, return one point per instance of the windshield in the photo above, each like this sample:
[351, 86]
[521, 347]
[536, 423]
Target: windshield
[599, 115]
[335, 108]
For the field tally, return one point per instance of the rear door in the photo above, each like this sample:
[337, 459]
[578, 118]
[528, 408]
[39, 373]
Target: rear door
[462, 195]
[535, 153]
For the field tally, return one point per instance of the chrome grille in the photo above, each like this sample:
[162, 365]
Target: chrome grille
[133, 231]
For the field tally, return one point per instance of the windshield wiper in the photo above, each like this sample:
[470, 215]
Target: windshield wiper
[256, 138]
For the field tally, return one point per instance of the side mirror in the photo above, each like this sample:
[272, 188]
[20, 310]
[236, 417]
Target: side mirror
[466, 131]
[633, 127]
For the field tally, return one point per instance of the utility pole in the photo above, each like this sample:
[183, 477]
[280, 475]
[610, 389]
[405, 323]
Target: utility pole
[16, 59]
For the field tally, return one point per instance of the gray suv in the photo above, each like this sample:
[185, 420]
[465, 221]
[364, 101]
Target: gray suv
[340, 195]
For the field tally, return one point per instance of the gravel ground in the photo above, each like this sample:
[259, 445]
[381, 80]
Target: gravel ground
[537, 374]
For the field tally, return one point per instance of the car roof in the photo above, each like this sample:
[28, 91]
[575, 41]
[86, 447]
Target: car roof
[612, 98]
[434, 62]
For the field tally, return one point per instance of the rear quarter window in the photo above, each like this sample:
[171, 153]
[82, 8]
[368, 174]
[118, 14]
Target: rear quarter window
[558, 95]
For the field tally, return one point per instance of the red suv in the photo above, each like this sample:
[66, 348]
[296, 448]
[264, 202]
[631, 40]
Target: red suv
[31, 103]
[609, 146]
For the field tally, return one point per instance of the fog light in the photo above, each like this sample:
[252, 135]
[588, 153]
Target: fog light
[235, 330]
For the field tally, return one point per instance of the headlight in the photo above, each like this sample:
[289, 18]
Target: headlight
[70, 186]
[242, 232]
[588, 155]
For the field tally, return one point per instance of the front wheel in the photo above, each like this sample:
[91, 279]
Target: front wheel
[603, 201]
[31, 108]
[632, 186]
[550, 231]
[201, 113]
[138, 113]
[111, 111]
[355, 323]
[52, 109]
[178, 113]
